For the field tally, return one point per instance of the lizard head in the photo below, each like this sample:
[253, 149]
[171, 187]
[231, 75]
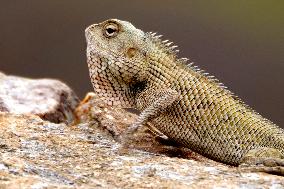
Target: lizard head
[116, 56]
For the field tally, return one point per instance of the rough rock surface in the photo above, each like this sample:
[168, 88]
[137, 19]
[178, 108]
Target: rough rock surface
[50, 99]
[86, 154]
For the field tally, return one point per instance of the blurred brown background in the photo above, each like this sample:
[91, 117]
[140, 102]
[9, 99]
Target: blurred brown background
[240, 42]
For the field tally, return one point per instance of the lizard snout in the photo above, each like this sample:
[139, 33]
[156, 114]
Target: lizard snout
[89, 31]
[91, 27]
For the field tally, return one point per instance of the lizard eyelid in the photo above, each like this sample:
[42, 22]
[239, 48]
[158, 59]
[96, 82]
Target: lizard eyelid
[111, 30]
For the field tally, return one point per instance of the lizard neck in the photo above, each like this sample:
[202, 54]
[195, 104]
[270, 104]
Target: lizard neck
[162, 69]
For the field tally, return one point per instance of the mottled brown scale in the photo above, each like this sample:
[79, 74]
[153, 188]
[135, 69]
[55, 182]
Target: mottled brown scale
[130, 68]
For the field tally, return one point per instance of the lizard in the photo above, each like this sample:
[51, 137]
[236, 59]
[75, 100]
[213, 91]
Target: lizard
[130, 68]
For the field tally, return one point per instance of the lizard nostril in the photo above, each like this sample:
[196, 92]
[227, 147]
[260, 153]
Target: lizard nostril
[90, 28]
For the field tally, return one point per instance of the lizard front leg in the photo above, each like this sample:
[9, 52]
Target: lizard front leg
[152, 102]
[158, 134]
[263, 159]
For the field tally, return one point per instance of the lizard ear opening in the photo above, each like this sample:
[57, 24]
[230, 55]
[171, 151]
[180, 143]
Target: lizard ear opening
[131, 52]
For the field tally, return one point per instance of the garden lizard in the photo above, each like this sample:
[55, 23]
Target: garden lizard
[130, 68]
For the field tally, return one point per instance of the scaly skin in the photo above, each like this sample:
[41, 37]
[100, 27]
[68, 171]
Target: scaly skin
[130, 68]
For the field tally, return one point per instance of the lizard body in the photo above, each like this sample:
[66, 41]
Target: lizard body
[132, 68]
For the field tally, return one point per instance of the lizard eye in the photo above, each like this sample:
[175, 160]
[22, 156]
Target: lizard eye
[110, 30]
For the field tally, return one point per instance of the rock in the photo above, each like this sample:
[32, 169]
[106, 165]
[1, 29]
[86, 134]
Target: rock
[50, 99]
[87, 154]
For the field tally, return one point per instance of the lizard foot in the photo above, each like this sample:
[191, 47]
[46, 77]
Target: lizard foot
[268, 160]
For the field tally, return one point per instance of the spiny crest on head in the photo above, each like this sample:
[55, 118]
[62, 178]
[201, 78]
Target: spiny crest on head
[165, 45]
[168, 47]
